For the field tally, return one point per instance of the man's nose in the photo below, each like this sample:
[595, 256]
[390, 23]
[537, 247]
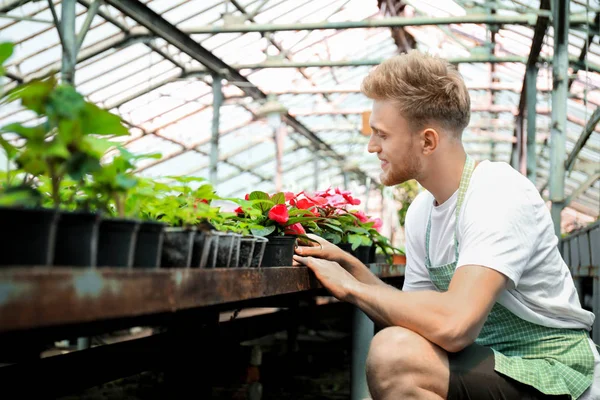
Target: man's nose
[373, 146]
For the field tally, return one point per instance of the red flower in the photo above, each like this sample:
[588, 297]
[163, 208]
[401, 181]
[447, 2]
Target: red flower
[247, 197]
[279, 214]
[238, 210]
[361, 216]
[295, 229]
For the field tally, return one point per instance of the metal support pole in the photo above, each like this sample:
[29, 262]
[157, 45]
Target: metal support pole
[279, 131]
[316, 172]
[560, 12]
[67, 28]
[596, 309]
[531, 82]
[214, 141]
[346, 180]
[362, 333]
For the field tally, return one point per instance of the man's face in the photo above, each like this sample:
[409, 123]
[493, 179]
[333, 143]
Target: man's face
[394, 143]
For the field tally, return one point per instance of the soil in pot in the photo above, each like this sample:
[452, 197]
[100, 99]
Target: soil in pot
[116, 242]
[259, 251]
[148, 246]
[177, 248]
[279, 251]
[247, 244]
[29, 236]
[77, 239]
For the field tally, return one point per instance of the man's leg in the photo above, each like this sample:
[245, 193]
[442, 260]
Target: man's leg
[404, 365]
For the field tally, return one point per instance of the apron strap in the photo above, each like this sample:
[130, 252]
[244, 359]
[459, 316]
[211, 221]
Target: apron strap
[462, 191]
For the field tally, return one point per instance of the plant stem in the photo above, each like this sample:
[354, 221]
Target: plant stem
[120, 203]
[55, 185]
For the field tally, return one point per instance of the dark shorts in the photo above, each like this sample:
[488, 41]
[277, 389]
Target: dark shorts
[472, 377]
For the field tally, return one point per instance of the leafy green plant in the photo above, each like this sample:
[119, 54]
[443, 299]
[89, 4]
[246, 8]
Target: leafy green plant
[177, 205]
[65, 144]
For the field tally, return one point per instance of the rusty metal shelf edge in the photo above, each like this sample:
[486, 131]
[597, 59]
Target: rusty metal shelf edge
[32, 297]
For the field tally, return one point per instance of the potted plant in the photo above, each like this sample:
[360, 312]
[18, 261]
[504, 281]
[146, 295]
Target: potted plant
[185, 211]
[63, 147]
[112, 189]
[341, 224]
[276, 219]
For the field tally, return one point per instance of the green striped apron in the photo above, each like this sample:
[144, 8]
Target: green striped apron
[554, 361]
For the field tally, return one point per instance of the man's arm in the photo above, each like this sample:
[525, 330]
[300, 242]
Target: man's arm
[452, 319]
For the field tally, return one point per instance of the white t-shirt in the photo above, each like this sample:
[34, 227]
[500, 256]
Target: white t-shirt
[504, 225]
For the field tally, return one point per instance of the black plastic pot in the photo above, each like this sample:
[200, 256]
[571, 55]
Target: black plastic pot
[365, 254]
[225, 249]
[247, 244]
[29, 236]
[77, 239]
[148, 246]
[116, 242]
[201, 249]
[234, 262]
[279, 251]
[177, 248]
[259, 251]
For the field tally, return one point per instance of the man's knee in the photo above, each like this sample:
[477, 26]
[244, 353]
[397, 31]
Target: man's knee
[394, 350]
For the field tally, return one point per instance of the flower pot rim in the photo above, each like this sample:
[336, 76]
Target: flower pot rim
[29, 209]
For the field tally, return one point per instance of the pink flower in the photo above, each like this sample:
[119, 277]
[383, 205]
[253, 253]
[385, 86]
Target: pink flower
[279, 214]
[289, 196]
[378, 223]
[295, 229]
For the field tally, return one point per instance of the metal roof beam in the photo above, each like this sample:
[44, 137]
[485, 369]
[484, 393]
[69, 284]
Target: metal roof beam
[9, 5]
[388, 22]
[585, 135]
[583, 187]
[161, 27]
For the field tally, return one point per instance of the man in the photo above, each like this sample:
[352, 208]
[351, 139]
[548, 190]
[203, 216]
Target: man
[488, 309]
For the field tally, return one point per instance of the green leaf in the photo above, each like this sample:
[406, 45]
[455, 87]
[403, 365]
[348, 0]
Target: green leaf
[298, 211]
[33, 95]
[65, 102]
[33, 133]
[267, 230]
[10, 150]
[80, 164]
[6, 50]
[125, 181]
[278, 198]
[335, 228]
[332, 237]
[295, 220]
[101, 122]
[262, 205]
[258, 196]
[97, 146]
[356, 229]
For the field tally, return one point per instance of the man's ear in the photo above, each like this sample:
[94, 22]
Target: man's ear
[430, 139]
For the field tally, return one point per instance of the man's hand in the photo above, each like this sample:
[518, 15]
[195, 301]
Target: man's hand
[332, 276]
[323, 249]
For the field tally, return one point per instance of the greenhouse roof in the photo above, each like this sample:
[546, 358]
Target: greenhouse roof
[153, 63]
